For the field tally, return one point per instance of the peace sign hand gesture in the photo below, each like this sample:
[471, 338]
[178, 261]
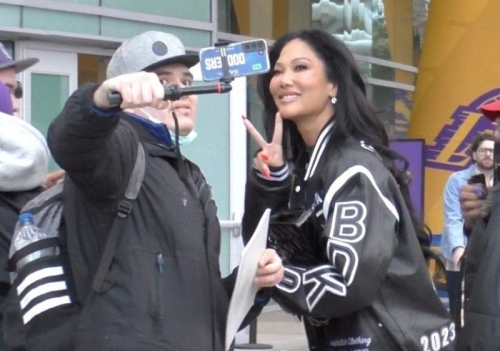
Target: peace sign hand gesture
[271, 154]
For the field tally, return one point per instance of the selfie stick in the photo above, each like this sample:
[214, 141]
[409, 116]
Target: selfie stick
[174, 92]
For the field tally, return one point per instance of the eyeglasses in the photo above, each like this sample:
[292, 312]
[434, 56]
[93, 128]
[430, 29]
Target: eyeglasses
[484, 151]
[17, 90]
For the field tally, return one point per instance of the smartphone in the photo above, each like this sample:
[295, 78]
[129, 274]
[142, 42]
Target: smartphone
[479, 182]
[234, 60]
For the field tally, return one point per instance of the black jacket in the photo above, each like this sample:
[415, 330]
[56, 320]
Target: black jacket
[369, 288]
[167, 291]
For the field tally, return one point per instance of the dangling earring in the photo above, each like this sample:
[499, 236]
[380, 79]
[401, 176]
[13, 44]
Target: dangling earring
[334, 100]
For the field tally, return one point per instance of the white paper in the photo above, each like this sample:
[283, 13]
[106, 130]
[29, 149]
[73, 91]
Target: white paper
[244, 289]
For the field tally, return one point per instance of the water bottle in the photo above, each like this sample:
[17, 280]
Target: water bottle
[28, 232]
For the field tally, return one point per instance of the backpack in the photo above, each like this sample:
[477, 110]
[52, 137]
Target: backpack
[42, 309]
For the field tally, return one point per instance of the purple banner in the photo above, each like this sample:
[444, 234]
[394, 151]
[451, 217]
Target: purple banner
[413, 150]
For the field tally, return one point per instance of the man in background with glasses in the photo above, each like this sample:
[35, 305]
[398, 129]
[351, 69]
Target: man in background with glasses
[454, 241]
[8, 70]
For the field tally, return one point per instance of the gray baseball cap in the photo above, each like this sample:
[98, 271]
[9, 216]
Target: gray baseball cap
[148, 51]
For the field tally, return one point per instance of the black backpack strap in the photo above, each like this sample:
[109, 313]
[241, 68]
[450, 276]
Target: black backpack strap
[124, 209]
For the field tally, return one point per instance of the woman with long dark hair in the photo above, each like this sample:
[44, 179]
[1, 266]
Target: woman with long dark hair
[354, 252]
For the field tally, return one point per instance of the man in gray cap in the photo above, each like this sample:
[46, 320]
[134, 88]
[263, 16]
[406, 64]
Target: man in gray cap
[164, 290]
[8, 70]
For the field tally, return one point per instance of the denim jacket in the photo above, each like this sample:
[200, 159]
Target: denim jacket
[453, 234]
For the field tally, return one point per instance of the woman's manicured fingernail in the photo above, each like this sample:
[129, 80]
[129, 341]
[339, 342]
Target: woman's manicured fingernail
[266, 173]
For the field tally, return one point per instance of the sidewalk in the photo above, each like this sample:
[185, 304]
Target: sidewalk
[282, 331]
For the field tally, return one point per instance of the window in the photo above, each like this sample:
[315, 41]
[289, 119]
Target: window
[92, 68]
[9, 47]
[263, 18]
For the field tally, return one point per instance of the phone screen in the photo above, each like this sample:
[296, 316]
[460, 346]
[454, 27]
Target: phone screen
[479, 182]
[234, 60]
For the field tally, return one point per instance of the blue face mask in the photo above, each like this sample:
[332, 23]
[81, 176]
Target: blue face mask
[183, 139]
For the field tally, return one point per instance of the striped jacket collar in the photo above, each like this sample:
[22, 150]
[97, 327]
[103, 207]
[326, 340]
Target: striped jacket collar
[319, 148]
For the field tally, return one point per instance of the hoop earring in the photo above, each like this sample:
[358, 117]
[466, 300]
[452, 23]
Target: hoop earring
[334, 100]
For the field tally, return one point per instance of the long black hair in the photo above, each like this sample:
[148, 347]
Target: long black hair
[354, 115]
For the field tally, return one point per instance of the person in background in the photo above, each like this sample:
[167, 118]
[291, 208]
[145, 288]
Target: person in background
[24, 158]
[23, 162]
[353, 251]
[454, 240]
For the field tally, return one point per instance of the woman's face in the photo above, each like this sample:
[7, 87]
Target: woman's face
[299, 86]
